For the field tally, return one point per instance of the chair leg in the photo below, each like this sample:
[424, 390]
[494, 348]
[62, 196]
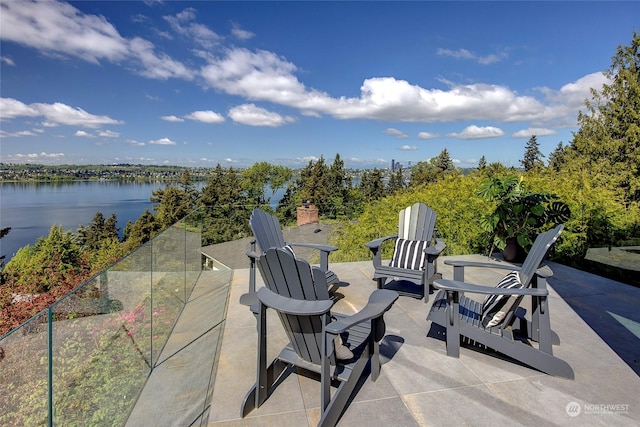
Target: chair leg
[453, 324]
[331, 414]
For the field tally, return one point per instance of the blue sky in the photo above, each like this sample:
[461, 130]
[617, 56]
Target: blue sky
[202, 83]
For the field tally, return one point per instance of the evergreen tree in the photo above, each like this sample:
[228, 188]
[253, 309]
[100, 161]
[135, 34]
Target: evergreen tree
[337, 188]
[557, 157]
[91, 236]
[431, 171]
[444, 162]
[396, 182]
[482, 164]
[227, 210]
[532, 155]
[371, 185]
[608, 140]
[144, 229]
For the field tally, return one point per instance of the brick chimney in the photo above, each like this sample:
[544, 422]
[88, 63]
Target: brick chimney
[307, 214]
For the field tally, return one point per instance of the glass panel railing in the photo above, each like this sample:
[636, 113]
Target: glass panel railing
[85, 360]
[99, 357]
[24, 379]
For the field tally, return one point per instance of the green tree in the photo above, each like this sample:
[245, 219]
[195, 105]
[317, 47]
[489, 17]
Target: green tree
[138, 233]
[433, 170]
[51, 261]
[90, 237]
[186, 184]
[608, 139]
[532, 155]
[173, 204]
[371, 185]
[226, 209]
[396, 182]
[338, 188]
[557, 157]
[482, 164]
[263, 176]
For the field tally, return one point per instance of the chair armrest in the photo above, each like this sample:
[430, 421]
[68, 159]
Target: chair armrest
[435, 249]
[380, 301]
[293, 306]
[322, 248]
[253, 254]
[457, 286]
[376, 243]
[464, 263]
[544, 271]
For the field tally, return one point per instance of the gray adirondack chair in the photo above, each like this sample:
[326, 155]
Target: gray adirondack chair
[512, 336]
[416, 223]
[299, 294]
[268, 234]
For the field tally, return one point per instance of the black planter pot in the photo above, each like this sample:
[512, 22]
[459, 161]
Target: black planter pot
[513, 252]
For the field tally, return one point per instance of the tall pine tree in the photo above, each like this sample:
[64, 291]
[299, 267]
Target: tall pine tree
[608, 141]
[532, 155]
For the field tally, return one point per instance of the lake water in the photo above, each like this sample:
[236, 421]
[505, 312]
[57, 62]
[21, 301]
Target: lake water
[31, 209]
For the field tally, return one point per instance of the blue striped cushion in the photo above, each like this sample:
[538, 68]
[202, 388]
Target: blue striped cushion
[409, 254]
[495, 307]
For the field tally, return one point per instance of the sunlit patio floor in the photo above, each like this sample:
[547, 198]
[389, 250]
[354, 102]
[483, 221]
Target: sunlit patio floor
[597, 320]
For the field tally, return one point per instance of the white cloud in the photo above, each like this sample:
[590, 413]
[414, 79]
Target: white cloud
[466, 54]
[527, 133]
[395, 132]
[157, 66]
[427, 135]
[53, 26]
[566, 101]
[57, 113]
[240, 33]
[11, 108]
[259, 75]
[250, 114]
[162, 141]
[205, 117]
[7, 60]
[172, 119]
[408, 148]
[35, 156]
[108, 134]
[183, 23]
[83, 134]
[136, 143]
[66, 115]
[477, 132]
[5, 134]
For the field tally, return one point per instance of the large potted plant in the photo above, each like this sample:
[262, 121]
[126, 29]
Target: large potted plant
[519, 214]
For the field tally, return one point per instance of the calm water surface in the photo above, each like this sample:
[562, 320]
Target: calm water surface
[31, 209]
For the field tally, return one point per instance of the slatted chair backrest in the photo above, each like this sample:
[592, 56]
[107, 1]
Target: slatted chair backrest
[537, 254]
[416, 222]
[266, 229]
[294, 278]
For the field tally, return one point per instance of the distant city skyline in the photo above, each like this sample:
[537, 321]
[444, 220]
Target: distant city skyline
[234, 83]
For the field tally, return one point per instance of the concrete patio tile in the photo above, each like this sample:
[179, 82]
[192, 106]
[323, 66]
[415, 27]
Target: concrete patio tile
[554, 399]
[394, 413]
[292, 418]
[472, 405]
